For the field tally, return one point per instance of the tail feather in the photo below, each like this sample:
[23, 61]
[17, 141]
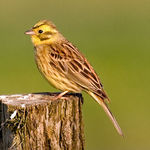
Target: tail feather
[108, 112]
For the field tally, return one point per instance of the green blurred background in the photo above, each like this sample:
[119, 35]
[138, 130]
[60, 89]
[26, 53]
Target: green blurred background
[113, 35]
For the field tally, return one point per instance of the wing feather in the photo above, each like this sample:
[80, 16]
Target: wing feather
[75, 67]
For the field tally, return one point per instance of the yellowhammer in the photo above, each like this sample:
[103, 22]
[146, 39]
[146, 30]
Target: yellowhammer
[65, 67]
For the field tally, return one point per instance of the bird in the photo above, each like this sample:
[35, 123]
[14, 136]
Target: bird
[65, 67]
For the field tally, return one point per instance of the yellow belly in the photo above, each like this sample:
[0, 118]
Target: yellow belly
[56, 78]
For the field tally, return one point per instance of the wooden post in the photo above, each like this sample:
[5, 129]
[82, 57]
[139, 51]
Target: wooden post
[36, 122]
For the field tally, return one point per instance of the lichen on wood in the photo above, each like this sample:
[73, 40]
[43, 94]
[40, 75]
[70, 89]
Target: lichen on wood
[35, 121]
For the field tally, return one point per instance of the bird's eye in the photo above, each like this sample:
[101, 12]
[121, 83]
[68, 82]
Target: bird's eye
[40, 31]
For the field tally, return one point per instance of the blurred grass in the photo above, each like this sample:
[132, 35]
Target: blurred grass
[113, 35]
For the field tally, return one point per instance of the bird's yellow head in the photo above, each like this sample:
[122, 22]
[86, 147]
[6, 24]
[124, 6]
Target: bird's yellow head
[44, 32]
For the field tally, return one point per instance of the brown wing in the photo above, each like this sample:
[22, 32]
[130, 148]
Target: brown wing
[75, 67]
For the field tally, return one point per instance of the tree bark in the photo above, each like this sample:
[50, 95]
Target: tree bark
[37, 122]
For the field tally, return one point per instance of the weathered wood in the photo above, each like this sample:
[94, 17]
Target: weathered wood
[36, 122]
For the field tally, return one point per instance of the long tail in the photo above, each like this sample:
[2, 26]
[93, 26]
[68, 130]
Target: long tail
[108, 112]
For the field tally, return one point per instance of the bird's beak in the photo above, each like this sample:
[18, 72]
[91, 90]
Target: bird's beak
[30, 32]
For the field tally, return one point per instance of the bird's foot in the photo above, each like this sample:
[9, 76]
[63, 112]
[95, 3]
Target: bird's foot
[59, 96]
